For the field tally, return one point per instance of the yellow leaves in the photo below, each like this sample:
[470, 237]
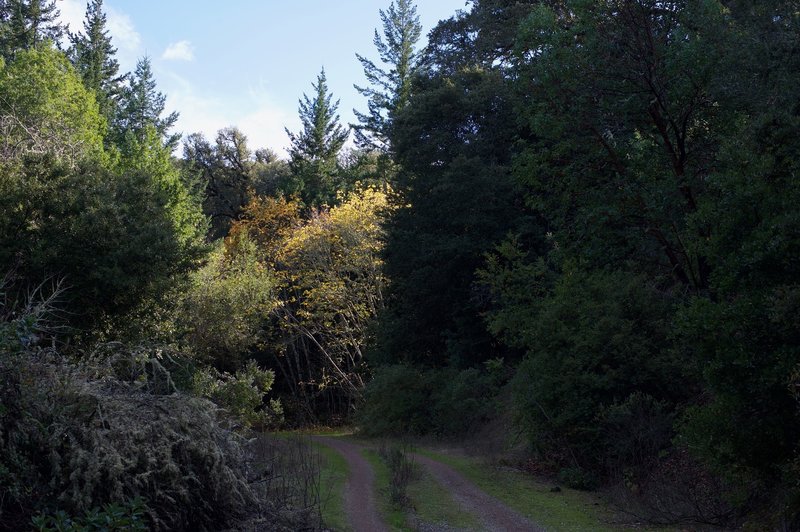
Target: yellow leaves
[326, 274]
[268, 221]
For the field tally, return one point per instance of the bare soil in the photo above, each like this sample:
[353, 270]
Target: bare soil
[363, 513]
[494, 515]
[359, 498]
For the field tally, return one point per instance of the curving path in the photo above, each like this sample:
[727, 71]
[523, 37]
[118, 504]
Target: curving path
[494, 515]
[363, 513]
[359, 496]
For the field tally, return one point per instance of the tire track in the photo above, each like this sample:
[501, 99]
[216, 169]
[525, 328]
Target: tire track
[359, 496]
[495, 516]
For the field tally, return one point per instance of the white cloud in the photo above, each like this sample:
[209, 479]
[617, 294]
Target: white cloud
[72, 14]
[265, 122]
[257, 116]
[179, 51]
[123, 33]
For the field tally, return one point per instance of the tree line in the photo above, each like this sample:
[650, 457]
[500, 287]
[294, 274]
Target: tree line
[595, 215]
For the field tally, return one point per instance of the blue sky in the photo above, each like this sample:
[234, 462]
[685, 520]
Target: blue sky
[248, 62]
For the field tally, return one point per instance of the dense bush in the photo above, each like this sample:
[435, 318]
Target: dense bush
[634, 433]
[220, 318]
[111, 517]
[461, 400]
[405, 400]
[397, 401]
[77, 437]
[594, 341]
[242, 394]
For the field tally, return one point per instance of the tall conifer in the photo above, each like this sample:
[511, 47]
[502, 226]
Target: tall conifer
[389, 88]
[315, 149]
[93, 57]
[142, 105]
[24, 24]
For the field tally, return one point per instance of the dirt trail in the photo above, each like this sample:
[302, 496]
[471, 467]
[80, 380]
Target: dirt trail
[494, 515]
[359, 498]
[362, 511]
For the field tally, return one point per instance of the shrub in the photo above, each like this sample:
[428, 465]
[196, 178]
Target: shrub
[111, 517]
[577, 478]
[79, 437]
[222, 315]
[596, 340]
[634, 433]
[462, 400]
[400, 461]
[242, 394]
[397, 401]
[403, 400]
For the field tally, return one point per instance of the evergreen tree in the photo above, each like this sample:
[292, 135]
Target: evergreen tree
[315, 149]
[93, 57]
[24, 24]
[388, 90]
[142, 105]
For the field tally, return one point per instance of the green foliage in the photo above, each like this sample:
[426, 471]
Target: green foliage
[620, 146]
[743, 338]
[45, 109]
[454, 200]
[314, 150]
[402, 400]
[389, 90]
[396, 402]
[462, 401]
[242, 394]
[25, 24]
[111, 517]
[230, 172]
[118, 231]
[93, 57]
[140, 106]
[147, 155]
[116, 238]
[360, 168]
[401, 470]
[635, 432]
[577, 478]
[597, 339]
[222, 313]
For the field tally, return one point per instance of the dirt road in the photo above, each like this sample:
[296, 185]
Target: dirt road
[493, 514]
[363, 513]
[359, 497]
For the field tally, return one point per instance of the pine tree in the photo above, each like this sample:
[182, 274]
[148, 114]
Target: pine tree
[24, 24]
[315, 149]
[142, 105]
[93, 57]
[389, 89]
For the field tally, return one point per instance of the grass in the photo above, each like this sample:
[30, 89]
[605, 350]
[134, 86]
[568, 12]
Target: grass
[429, 502]
[434, 505]
[393, 516]
[565, 510]
[333, 476]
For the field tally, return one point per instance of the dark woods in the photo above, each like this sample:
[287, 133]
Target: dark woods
[600, 197]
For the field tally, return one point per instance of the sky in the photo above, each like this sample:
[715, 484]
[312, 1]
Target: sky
[246, 63]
